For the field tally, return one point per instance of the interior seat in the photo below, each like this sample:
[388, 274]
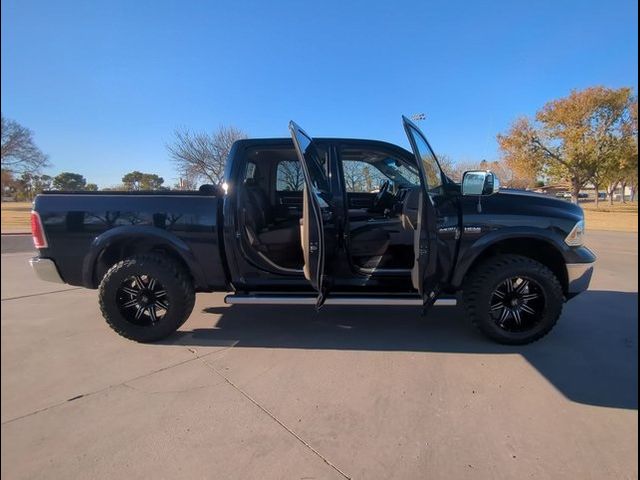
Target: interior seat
[277, 239]
[410, 204]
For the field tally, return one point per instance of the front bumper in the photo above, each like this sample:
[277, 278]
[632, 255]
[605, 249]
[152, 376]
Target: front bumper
[579, 273]
[46, 269]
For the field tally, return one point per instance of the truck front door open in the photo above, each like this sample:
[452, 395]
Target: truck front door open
[316, 212]
[425, 274]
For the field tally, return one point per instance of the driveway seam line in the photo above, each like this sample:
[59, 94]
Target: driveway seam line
[90, 394]
[276, 419]
[43, 293]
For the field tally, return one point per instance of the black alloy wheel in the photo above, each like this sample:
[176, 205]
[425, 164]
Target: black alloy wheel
[142, 300]
[146, 297]
[512, 299]
[517, 304]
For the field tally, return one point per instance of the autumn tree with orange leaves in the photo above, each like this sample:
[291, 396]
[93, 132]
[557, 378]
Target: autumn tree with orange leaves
[584, 137]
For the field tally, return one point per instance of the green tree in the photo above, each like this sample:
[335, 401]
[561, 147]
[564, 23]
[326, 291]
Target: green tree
[132, 180]
[69, 181]
[30, 184]
[151, 181]
[142, 181]
[42, 183]
[570, 137]
[24, 187]
[91, 187]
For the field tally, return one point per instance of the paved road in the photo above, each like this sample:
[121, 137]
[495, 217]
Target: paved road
[246, 392]
[17, 243]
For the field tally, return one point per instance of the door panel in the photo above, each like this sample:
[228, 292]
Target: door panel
[289, 204]
[425, 276]
[316, 211]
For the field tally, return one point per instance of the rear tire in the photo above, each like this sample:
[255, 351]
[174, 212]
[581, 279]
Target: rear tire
[146, 297]
[513, 299]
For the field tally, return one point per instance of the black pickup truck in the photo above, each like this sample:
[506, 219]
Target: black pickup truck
[320, 221]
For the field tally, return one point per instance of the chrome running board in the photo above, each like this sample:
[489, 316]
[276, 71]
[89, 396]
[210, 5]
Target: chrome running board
[288, 299]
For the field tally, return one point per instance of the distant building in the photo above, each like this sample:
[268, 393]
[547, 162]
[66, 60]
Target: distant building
[589, 189]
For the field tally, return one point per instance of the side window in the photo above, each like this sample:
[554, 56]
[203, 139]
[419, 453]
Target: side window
[429, 161]
[289, 176]
[361, 176]
[365, 170]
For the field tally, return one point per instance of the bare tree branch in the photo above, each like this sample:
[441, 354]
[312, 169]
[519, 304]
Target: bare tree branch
[290, 176]
[200, 156]
[19, 152]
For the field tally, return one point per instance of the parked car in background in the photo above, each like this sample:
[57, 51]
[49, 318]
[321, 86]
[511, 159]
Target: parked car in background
[563, 195]
[567, 195]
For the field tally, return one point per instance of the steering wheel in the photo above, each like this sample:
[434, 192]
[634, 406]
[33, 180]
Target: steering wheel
[383, 193]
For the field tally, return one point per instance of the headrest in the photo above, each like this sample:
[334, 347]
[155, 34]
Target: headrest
[250, 182]
[209, 189]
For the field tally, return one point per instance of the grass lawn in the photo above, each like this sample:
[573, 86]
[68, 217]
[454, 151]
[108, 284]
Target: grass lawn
[621, 217]
[618, 217]
[15, 216]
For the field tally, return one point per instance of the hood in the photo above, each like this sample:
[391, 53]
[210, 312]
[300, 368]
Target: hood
[518, 197]
[519, 208]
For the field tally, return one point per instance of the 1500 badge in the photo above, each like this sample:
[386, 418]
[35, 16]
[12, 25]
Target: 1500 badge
[454, 230]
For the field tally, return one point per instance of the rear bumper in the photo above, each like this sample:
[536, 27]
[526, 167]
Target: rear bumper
[46, 269]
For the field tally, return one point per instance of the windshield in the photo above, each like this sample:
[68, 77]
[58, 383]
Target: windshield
[405, 175]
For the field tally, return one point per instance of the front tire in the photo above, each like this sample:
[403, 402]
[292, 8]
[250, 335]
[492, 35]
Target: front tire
[513, 299]
[146, 297]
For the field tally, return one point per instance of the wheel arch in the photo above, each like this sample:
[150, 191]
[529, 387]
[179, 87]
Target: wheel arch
[122, 242]
[539, 247]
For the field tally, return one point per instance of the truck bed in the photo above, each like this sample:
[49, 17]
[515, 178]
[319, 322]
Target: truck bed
[83, 229]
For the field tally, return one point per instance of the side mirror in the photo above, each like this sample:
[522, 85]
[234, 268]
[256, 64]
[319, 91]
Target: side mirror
[479, 182]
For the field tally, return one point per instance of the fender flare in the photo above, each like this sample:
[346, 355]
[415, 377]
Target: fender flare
[140, 233]
[488, 240]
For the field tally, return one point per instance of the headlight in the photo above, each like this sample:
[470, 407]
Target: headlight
[576, 235]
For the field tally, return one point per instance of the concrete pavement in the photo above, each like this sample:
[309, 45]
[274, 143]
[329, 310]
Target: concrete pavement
[18, 242]
[270, 392]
